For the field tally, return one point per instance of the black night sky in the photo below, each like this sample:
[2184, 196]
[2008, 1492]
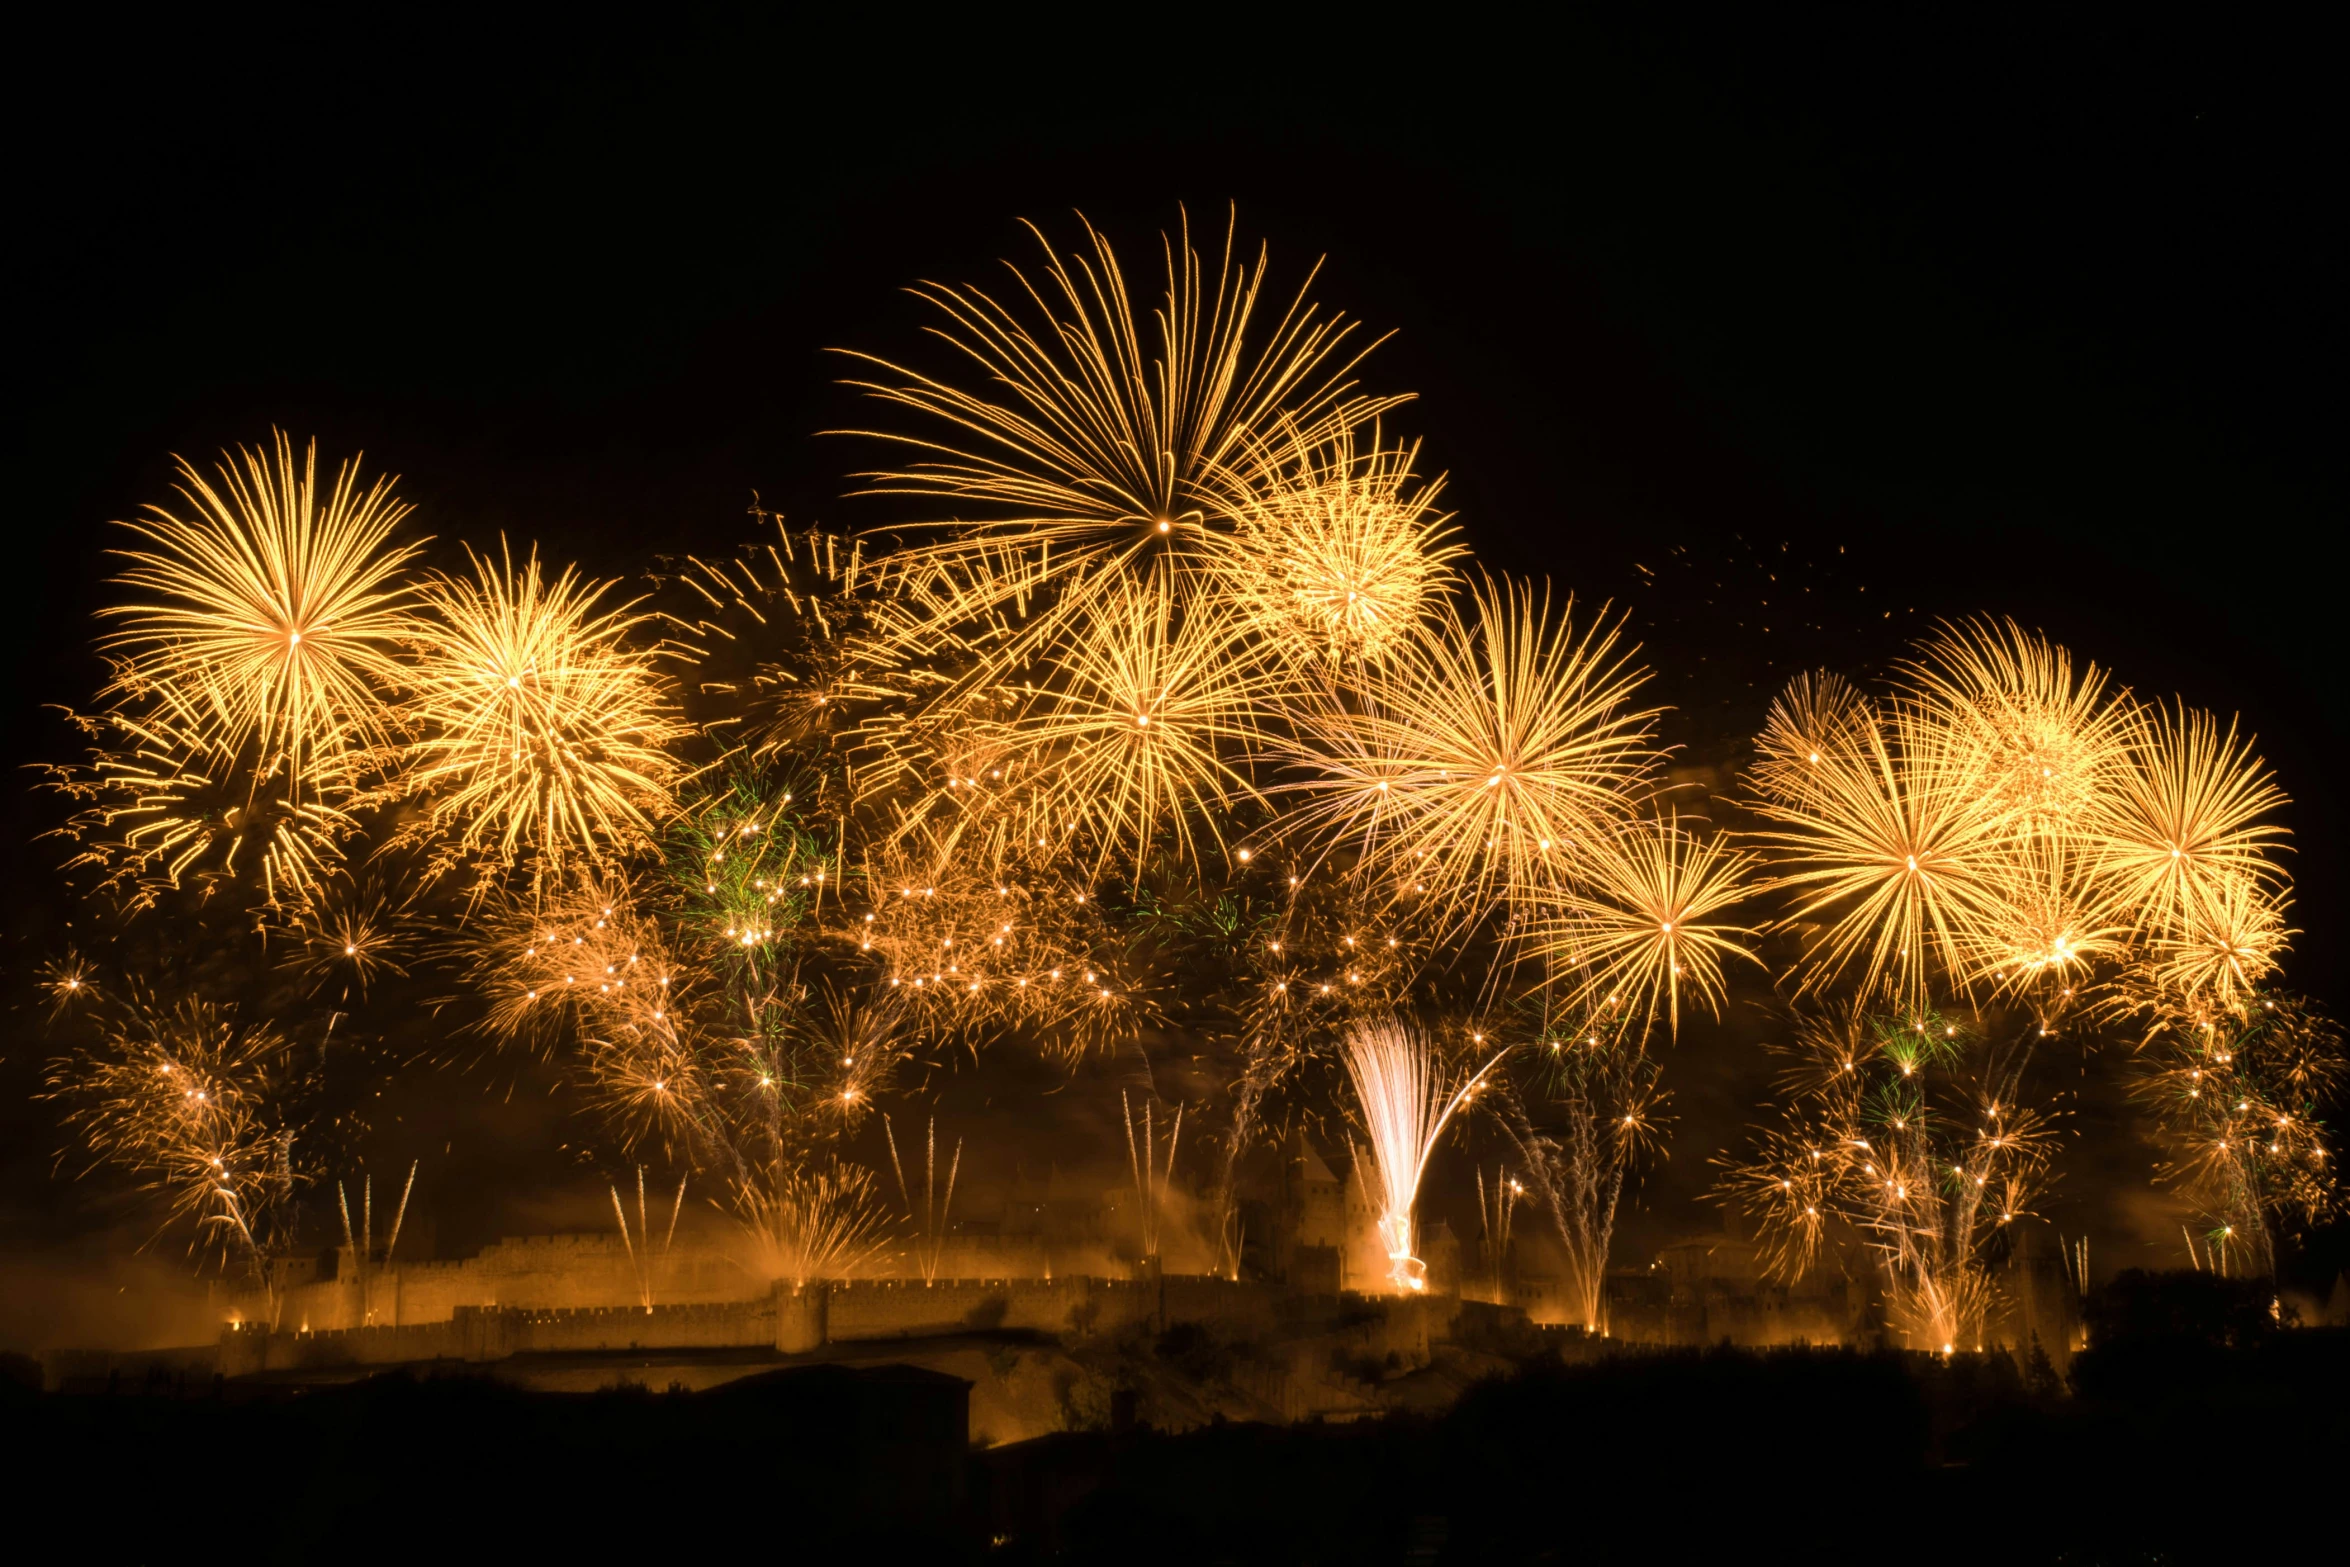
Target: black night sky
[1786, 338]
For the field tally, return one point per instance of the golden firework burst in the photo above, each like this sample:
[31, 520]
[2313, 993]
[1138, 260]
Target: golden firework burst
[1134, 738]
[2045, 744]
[542, 727]
[273, 613]
[179, 1096]
[1341, 556]
[1897, 858]
[1644, 923]
[1098, 440]
[1485, 767]
[1817, 718]
[168, 802]
[2180, 834]
[354, 940]
[2224, 945]
[2054, 928]
[780, 638]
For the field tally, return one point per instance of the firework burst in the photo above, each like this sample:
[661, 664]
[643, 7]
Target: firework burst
[186, 1100]
[781, 639]
[2224, 946]
[2041, 743]
[273, 612]
[1134, 739]
[166, 804]
[1101, 443]
[1649, 925]
[1894, 855]
[353, 941]
[1341, 558]
[1818, 716]
[2240, 1097]
[542, 730]
[2182, 834]
[1485, 767]
[1914, 1136]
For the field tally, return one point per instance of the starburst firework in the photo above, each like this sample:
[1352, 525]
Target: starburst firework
[1892, 851]
[2040, 743]
[1100, 443]
[542, 729]
[2224, 946]
[1818, 716]
[1135, 737]
[1487, 766]
[2181, 831]
[1341, 558]
[1645, 922]
[273, 612]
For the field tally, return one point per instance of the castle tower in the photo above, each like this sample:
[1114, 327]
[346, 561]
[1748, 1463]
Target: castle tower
[1311, 1237]
[1441, 1251]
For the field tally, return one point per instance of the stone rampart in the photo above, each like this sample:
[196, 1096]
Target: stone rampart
[793, 1319]
[475, 1333]
[538, 1273]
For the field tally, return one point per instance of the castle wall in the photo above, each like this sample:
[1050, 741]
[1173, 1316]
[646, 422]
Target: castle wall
[494, 1333]
[791, 1319]
[538, 1273]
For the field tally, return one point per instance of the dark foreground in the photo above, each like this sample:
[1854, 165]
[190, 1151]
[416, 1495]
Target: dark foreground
[2168, 1447]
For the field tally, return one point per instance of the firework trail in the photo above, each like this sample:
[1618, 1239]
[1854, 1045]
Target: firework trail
[366, 1268]
[1151, 1173]
[642, 1259]
[931, 1219]
[1603, 1116]
[2239, 1099]
[823, 1223]
[1495, 1210]
[1918, 1138]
